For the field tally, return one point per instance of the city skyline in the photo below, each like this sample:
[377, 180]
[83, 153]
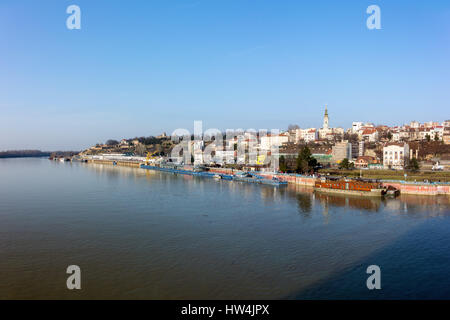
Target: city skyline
[154, 67]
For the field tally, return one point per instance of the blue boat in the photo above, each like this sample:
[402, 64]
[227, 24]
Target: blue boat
[253, 178]
[244, 177]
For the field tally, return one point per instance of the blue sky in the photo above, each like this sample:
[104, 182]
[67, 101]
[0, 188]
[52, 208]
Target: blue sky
[142, 67]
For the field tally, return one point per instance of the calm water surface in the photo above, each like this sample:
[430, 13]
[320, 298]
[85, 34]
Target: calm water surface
[150, 235]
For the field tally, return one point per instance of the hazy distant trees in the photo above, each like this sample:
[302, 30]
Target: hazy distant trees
[35, 153]
[23, 154]
[293, 127]
[111, 142]
[140, 149]
[351, 137]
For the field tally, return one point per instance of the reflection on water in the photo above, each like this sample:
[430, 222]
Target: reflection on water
[304, 203]
[143, 234]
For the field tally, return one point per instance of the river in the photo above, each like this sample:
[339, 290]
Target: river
[139, 234]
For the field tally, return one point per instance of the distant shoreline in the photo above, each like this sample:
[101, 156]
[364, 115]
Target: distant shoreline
[35, 154]
[44, 155]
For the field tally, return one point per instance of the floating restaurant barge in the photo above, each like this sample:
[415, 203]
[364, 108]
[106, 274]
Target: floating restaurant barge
[244, 177]
[353, 187]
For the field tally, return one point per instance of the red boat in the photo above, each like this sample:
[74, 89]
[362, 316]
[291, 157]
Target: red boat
[350, 187]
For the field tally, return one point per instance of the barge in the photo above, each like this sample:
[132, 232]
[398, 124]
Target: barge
[253, 178]
[366, 188]
[245, 177]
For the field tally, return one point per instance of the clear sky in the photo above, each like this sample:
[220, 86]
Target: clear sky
[143, 67]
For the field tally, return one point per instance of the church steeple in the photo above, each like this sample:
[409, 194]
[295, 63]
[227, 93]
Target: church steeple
[325, 118]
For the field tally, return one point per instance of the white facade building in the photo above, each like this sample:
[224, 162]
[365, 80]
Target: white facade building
[414, 124]
[356, 126]
[273, 140]
[306, 135]
[395, 155]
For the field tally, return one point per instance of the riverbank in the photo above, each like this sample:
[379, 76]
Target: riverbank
[405, 187]
[23, 154]
[432, 176]
[133, 164]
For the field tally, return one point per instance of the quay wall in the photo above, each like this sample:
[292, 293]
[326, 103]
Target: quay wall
[290, 178]
[293, 179]
[118, 163]
[420, 189]
[404, 187]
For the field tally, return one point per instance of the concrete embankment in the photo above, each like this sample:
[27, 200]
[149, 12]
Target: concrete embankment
[290, 178]
[118, 163]
[420, 189]
[404, 187]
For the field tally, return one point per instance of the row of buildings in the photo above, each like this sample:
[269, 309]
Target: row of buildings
[363, 144]
[392, 143]
[414, 131]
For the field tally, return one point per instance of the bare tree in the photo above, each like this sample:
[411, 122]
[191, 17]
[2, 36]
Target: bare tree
[140, 149]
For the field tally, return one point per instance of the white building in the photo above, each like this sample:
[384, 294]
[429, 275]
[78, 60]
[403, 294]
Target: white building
[339, 131]
[225, 156]
[431, 132]
[306, 135]
[273, 140]
[414, 124]
[361, 148]
[198, 157]
[439, 132]
[356, 126]
[311, 135]
[431, 124]
[395, 155]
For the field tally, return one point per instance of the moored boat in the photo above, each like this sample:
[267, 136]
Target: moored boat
[253, 178]
[367, 188]
[392, 192]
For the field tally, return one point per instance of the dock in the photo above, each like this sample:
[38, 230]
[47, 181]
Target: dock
[405, 187]
[250, 178]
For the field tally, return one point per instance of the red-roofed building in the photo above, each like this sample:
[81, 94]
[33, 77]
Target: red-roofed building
[370, 134]
[364, 161]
